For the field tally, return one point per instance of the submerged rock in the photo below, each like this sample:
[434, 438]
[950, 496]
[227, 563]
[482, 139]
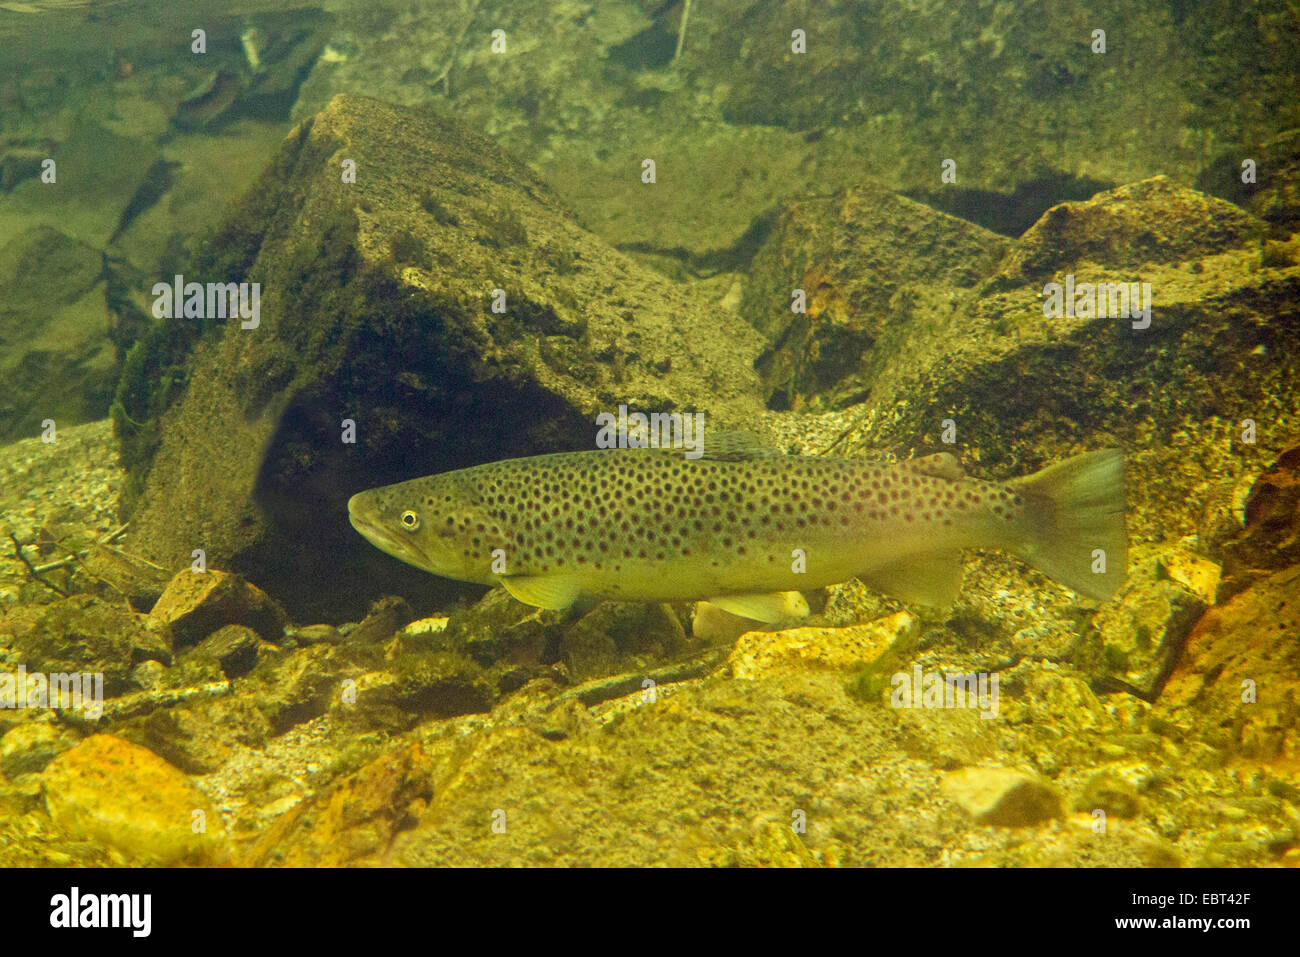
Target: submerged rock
[1239, 678]
[1140, 635]
[57, 357]
[31, 745]
[233, 648]
[1270, 536]
[862, 261]
[356, 821]
[1108, 792]
[377, 313]
[1155, 221]
[119, 794]
[86, 635]
[1002, 796]
[795, 649]
[196, 604]
[1008, 381]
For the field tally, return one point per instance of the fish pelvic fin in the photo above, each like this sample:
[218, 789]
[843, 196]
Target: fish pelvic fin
[772, 609]
[1074, 526]
[552, 592]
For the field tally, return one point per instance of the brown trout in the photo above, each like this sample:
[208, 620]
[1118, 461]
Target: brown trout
[737, 528]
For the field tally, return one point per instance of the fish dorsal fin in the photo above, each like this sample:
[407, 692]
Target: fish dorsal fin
[931, 580]
[771, 608]
[552, 592]
[942, 465]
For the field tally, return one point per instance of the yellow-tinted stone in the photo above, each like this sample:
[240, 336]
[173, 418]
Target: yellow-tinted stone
[355, 822]
[195, 604]
[1002, 796]
[1198, 575]
[111, 791]
[760, 652]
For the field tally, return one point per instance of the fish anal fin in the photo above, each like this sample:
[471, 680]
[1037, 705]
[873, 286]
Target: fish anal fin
[933, 580]
[552, 592]
[770, 608]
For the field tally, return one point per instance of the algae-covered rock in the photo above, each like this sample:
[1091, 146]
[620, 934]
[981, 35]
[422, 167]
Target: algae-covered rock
[200, 736]
[1001, 796]
[382, 621]
[859, 261]
[497, 628]
[1116, 230]
[444, 305]
[1198, 575]
[1193, 393]
[196, 604]
[113, 792]
[1239, 677]
[1141, 635]
[614, 634]
[441, 683]
[31, 745]
[1270, 536]
[757, 652]
[519, 641]
[357, 820]
[1108, 792]
[58, 360]
[87, 635]
[738, 118]
[233, 649]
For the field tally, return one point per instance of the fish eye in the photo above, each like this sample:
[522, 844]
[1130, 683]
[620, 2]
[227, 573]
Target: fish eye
[410, 521]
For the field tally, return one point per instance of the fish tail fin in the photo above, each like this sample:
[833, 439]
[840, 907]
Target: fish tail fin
[1074, 523]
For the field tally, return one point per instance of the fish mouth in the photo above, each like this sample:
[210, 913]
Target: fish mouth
[365, 518]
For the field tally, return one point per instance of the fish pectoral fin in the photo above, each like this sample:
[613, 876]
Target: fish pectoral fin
[771, 608]
[552, 592]
[932, 580]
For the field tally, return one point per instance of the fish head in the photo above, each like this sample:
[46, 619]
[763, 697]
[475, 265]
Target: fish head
[426, 523]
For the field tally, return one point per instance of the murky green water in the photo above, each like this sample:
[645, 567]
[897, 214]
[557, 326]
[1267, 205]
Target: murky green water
[888, 261]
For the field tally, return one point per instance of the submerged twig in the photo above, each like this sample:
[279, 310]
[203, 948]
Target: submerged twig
[74, 557]
[31, 569]
[681, 29]
[445, 76]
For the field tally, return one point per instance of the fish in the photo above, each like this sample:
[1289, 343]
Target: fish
[742, 526]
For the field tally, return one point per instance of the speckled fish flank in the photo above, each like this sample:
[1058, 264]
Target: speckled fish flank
[653, 525]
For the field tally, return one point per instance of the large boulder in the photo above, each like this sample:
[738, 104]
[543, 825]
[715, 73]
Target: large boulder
[376, 307]
[57, 359]
[1199, 392]
[737, 120]
[855, 257]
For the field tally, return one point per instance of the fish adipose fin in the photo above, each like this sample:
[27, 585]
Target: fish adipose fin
[771, 609]
[931, 580]
[942, 465]
[552, 592]
[1075, 522]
